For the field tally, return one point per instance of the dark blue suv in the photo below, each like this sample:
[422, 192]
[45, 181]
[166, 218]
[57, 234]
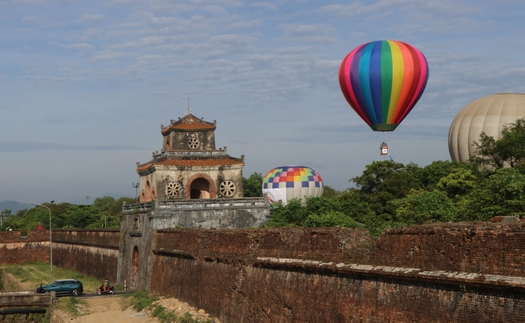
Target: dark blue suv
[63, 287]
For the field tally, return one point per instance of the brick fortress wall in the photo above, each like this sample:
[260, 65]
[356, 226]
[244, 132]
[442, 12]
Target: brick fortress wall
[91, 252]
[488, 248]
[16, 248]
[420, 274]
[440, 273]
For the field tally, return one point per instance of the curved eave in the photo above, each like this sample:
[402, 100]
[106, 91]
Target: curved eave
[209, 162]
[188, 127]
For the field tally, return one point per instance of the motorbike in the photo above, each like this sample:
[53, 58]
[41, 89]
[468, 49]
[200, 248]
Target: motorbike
[108, 290]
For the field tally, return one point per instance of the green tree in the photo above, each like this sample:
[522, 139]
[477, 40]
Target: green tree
[458, 183]
[421, 207]
[83, 217]
[104, 203]
[290, 215]
[27, 220]
[385, 181]
[508, 150]
[351, 204]
[330, 192]
[502, 193]
[329, 219]
[253, 185]
[431, 174]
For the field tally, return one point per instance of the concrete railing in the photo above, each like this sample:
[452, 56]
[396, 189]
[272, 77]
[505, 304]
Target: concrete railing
[26, 298]
[197, 204]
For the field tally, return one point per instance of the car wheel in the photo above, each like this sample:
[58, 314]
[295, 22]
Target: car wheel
[74, 292]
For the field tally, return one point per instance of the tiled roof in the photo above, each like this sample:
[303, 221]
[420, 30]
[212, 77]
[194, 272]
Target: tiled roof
[189, 122]
[193, 162]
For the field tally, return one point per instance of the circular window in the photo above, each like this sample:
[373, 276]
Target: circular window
[227, 189]
[193, 143]
[173, 190]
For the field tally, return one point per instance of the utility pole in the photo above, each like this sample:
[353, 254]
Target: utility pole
[50, 239]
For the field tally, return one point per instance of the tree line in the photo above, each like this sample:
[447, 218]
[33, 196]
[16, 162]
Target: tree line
[390, 194]
[103, 213]
[387, 194]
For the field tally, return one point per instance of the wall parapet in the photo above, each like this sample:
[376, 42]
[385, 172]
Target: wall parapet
[197, 204]
[461, 280]
[101, 238]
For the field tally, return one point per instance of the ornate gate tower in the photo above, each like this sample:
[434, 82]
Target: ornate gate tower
[189, 166]
[189, 184]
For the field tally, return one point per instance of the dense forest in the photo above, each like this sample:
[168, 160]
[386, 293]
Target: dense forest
[103, 213]
[386, 195]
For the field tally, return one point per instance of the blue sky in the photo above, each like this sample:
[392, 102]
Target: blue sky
[85, 85]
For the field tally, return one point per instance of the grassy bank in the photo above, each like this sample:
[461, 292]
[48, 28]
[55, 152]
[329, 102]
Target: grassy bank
[35, 273]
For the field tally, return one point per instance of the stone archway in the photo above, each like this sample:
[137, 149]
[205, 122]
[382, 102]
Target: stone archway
[201, 186]
[135, 268]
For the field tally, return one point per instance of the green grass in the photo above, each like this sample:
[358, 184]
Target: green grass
[36, 273]
[165, 316]
[140, 300]
[71, 304]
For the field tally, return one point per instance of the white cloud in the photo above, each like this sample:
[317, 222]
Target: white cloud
[81, 46]
[246, 24]
[107, 56]
[91, 18]
[265, 5]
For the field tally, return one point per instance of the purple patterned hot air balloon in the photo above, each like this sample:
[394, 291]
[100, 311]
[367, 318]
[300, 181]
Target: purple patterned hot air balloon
[382, 81]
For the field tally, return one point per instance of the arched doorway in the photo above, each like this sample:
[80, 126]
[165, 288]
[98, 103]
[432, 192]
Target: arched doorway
[135, 268]
[200, 189]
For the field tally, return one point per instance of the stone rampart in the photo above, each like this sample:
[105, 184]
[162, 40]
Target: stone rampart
[329, 275]
[490, 248]
[440, 273]
[92, 252]
[16, 248]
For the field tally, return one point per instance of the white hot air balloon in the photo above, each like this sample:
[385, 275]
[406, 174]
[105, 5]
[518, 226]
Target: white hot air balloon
[488, 114]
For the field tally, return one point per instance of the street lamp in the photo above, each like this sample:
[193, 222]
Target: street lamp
[50, 240]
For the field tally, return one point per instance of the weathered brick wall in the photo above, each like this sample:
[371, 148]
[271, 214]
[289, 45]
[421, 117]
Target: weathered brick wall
[326, 244]
[16, 248]
[327, 275]
[488, 248]
[91, 252]
[236, 293]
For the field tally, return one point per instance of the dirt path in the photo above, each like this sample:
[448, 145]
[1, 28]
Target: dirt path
[103, 309]
[108, 309]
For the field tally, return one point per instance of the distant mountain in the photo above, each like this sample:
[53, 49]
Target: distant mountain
[14, 206]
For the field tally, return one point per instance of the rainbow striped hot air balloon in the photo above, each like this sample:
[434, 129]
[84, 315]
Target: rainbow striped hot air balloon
[382, 81]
